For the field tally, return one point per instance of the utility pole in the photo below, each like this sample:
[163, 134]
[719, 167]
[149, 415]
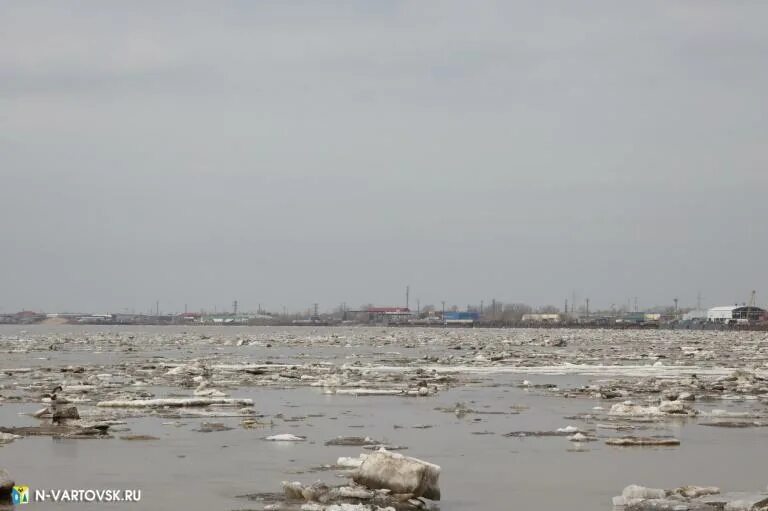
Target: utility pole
[566, 306]
[635, 304]
[675, 307]
[407, 297]
[234, 308]
[587, 307]
[418, 307]
[443, 316]
[157, 308]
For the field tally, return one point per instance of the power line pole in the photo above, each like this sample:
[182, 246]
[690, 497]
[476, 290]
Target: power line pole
[407, 297]
[234, 308]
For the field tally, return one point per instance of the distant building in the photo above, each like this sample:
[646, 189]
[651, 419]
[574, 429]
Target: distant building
[226, 319]
[389, 314]
[96, 318]
[633, 318]
[734, 314]
[461, 318]
[388, 310]
[132, 319]
[541, 318]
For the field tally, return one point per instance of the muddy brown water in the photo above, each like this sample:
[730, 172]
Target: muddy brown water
[185, 469]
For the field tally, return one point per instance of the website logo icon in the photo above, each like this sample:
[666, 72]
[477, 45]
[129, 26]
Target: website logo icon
[20, 495]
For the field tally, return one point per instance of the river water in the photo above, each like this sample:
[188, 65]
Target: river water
[481, 469]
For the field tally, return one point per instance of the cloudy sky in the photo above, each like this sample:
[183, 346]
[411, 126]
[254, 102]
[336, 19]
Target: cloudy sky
[292, 152]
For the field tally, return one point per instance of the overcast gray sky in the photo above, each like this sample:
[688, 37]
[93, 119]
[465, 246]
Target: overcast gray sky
[292, 152]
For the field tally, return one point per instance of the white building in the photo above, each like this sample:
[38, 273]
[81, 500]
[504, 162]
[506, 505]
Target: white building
[734, 314]
[541, 318]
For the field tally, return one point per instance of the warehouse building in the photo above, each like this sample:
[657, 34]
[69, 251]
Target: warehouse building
[734, 314]
[461, 318]
[388, 315]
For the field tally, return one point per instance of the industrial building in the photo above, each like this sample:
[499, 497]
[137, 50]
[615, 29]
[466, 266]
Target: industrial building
[461, 318]
[734, 314]
[639, 318]
[388, 315]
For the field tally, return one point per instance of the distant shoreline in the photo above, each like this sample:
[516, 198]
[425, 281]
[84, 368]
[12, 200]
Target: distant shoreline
[762, 327]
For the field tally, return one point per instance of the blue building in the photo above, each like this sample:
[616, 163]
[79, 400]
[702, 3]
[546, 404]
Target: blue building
[461, 318]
